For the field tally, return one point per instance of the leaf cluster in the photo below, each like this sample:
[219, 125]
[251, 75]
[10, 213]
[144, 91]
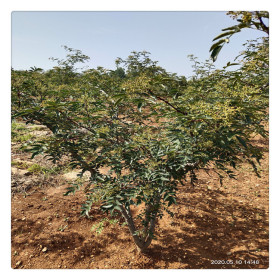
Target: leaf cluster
[139, 131]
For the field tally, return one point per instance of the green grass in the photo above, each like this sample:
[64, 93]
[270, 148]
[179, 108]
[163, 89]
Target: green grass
[62, 228]
[20, 164]
[38, 169]
[20, 133]
[18, 126]
[21, 138]
[36, 128]
[98, 227]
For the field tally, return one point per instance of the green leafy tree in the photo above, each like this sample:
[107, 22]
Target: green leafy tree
[146, 127]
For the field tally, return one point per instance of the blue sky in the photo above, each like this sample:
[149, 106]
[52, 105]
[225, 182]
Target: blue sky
[104, 36]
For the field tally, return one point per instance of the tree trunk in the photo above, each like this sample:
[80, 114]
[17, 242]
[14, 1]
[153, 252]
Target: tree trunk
[144, 241]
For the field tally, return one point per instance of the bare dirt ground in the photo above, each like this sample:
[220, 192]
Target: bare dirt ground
[213, 227]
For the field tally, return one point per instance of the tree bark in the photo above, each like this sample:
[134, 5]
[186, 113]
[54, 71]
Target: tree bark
[142, 242]
[128, 218]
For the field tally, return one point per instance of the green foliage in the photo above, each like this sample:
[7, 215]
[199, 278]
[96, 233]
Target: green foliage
[99, 227]
[36, 168]
[62, 228]
[253, 20]
[140, 130]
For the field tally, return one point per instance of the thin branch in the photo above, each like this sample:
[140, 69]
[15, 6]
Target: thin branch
[264, 27]
[77, 124]
[169, 104]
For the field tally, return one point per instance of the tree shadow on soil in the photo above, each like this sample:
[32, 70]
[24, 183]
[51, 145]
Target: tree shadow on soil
[214, 235]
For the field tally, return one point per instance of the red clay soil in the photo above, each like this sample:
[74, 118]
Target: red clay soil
[213, 227]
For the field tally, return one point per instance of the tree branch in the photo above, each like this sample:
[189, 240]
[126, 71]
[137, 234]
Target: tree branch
[169, 104]
[264, 27]
[128, 218]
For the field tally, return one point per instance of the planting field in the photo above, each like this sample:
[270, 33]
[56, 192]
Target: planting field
[140, 167]
[213, 226]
